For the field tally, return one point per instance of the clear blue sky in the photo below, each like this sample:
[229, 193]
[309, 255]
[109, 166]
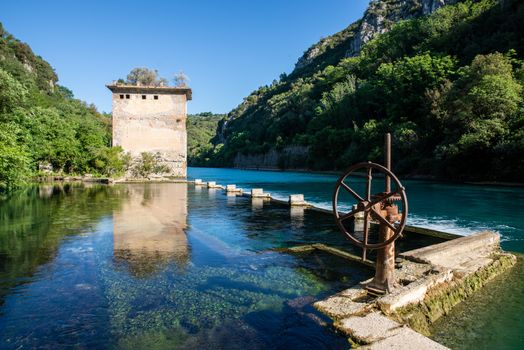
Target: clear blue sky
[227, 48]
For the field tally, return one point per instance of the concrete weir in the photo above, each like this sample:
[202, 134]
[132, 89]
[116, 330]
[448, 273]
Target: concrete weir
[429, 282]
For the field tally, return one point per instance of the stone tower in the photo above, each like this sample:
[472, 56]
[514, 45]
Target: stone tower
[152, 119]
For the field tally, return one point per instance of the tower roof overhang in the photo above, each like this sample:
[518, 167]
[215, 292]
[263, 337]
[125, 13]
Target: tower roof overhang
[138, 89]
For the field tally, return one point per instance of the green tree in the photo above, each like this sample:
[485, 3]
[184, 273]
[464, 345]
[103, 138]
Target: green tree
[12, 93]
[47, 123]
[402, 85]
[145, 76]
[111, 161]
[51, 138]
[482, 105]
[14, 159]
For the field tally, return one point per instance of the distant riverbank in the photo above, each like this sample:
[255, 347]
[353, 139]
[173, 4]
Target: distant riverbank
[410, 177]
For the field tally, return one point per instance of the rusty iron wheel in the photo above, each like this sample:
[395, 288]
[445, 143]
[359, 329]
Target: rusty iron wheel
[365, 204]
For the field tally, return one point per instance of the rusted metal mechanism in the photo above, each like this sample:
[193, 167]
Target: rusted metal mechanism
[379, 208]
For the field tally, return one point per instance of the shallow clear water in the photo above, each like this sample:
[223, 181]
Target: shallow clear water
[163, 266]
[454, 208]
[493, 317]
[174, 266]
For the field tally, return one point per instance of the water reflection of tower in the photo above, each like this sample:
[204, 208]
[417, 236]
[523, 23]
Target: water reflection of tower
[148, 230]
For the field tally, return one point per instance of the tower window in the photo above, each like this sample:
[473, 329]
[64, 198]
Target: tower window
[143, 97]
[128, 97]
[121, 97]
[155, 97]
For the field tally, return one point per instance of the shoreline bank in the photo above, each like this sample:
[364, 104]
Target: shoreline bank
[406, 177]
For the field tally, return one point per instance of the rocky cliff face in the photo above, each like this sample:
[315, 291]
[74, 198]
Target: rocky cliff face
[378, 18]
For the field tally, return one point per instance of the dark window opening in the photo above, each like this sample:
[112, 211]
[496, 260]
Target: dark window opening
[178, 120]
[143, 97]
[121, 97]
[128, 97]
[155, 97]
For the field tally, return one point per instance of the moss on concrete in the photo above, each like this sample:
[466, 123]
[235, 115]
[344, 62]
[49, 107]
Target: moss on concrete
[441, 299]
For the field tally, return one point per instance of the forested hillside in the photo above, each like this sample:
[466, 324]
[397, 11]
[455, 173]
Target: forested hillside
[201, 129]
[42, 125]
[448, 86]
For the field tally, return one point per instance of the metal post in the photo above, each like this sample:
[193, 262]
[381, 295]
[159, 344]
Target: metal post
[385, 266]
[387, 159]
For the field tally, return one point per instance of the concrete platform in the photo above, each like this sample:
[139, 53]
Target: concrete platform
[456, 253]
[406, 339]
[384, 333]
[428, 284]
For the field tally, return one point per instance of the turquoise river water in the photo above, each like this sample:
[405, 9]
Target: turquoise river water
[162, 266]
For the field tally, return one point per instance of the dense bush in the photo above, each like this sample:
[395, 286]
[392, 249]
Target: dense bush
[14, 158]
[148, 164]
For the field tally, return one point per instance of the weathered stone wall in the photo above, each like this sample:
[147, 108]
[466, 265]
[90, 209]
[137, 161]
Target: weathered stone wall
[152, 125]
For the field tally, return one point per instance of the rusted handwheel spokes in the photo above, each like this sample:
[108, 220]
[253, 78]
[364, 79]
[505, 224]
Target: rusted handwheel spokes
[378, 216]
[367, 205]
[347, 188]
[350, 214]
[370, 205]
